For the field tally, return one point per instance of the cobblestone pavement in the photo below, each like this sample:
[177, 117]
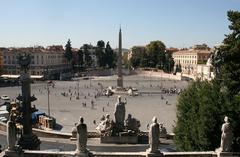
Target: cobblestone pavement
[67, 109]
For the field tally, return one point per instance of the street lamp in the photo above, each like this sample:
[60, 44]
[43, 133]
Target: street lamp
[48, 92]
[78, 90]
[161, 73]
[150, 79]
[151, 63]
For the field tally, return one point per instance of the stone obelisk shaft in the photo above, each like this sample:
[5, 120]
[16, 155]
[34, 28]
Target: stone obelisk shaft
[119, 65]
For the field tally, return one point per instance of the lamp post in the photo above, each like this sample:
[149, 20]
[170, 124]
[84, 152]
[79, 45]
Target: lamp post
[150, 79]
[48, 98]
[161, 73]
[27, 140]
[78, 90]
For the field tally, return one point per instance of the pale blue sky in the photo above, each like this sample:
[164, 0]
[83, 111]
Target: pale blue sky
[178, 23]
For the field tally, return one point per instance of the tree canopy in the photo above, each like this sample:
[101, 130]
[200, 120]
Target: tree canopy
[100, 54]
[86, 51]
[68, 53]
[226, 57]
[105, 55]
[111, 57]
[68, 50]
[137, 56]
[202, 106]
[200, 112]
[154, 55]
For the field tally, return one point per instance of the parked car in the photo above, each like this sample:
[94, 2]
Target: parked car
[5, 97]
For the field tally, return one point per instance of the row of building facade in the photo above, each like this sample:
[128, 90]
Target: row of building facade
[48, 62]
[44, 61]
[51, 60]
[193, 61]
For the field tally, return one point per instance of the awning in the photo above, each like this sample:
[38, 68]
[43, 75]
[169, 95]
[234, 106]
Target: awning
[10, 76]
[17, 76]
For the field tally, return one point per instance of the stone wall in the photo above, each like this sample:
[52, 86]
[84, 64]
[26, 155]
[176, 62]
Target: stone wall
[52, 134]
[157, 74]
[98, 72]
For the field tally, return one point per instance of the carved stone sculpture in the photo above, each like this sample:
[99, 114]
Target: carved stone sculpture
[132, 124]
[163, 131]
[154, 134]
[105, 126]
[226, 138]
[81, 136]
[119, 113]
[24, 61]
[11, 134]
[217, 60]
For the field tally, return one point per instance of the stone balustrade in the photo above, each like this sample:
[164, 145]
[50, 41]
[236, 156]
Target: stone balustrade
[36, 153]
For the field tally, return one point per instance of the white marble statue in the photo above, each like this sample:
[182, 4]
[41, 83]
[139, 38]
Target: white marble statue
[105, 126]
[81, 136]
[226, 138]
[120, 112]
[154, 134]
[11, 134]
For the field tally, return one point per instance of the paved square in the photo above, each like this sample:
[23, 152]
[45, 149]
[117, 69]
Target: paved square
[67, 109]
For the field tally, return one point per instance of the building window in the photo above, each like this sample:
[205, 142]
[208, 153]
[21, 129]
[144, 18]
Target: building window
[37, 59]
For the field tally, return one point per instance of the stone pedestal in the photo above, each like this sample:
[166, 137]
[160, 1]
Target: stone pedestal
[149, 153]
[83, 154]
[220, 153]
[120, 82]
[29, 142]
[227, 154]
[119, 139]
[11, 153]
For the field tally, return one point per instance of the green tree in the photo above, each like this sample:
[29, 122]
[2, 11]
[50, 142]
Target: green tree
[145, 61]
[156, 54]
[137, 56]
[80, 58]
[68, 53]
[169, 63]
[100, 54]
[200, 112]
[202, 106]
[178, 68]
[226, 61]
[125, 60]
[226, 58]
[111, 57]
[101, 44]
[87, 57]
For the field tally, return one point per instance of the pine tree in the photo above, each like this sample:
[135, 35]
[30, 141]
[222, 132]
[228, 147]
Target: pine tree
[68, 53]
[111, 57]
[100, 54]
